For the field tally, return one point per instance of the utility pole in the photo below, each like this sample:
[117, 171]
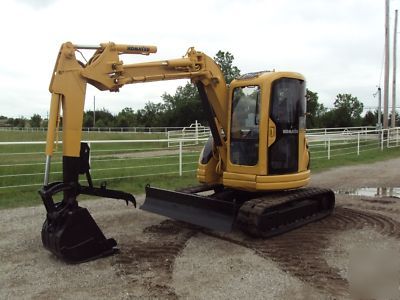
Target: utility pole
[94, 111]
[386, 80]
[379, 92]
[393, 118]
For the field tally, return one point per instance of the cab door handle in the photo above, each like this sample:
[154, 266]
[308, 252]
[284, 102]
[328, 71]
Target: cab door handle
[272, 132]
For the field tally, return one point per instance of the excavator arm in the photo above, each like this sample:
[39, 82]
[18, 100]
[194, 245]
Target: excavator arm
[106, 71]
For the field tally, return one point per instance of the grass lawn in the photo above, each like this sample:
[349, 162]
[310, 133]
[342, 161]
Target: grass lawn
[22, 136]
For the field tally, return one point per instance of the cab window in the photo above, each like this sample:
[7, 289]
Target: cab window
[245, 120]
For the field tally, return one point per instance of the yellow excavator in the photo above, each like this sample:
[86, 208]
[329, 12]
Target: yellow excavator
[253, 170]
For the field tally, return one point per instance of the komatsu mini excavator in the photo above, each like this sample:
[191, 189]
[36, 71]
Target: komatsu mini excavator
[253, 170]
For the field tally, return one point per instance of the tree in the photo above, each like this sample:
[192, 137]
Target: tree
[328, 119]
[225, 62]
[369, 119]
[3, 121]
[88, 119]
[35, 120]
[17, 122]
[151, 115]
[347, 111]
[103, 118]
[126, 118]
[314, 110]
[184, 107]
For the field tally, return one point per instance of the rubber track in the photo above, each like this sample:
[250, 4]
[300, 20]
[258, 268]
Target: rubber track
[251, 212]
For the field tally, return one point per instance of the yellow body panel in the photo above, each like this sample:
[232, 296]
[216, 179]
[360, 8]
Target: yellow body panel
[206, 173]
[266, 183]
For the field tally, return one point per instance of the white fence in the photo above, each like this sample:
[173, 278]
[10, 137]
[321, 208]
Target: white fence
[100, 129]
[152, 156]
[344, 130]
[190, 135]
[326, 145]
[22, 163]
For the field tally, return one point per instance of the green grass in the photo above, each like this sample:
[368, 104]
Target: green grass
[135, 169]
[107, 163]
[30, 197]
[365, 157]
[22, 136]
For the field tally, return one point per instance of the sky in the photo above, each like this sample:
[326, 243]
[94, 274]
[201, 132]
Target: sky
[337, 45]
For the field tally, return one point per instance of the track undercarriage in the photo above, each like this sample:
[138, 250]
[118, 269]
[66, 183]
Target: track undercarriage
[259, 214]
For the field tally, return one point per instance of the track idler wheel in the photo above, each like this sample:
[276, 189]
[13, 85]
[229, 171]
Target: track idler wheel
[74, 236]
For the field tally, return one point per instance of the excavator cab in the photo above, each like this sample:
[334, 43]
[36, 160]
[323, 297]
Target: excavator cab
[267, 158]
[266, 142]
[282, 129]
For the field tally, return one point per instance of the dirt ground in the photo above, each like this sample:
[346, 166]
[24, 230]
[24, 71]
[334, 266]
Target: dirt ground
[352, 254]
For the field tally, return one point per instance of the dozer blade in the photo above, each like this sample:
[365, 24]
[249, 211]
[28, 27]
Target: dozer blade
[195, 209]
[74, 236]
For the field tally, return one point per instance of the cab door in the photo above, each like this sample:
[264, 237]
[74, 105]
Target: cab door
[244, 129]
[287, 118]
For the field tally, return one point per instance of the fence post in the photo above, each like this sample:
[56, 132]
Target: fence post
[358, 143]
[180, 158]
[387, 138]
[325, 139]
[382, 139]
[397, 136]
[90, 154]
[329, 148]
[196, 133]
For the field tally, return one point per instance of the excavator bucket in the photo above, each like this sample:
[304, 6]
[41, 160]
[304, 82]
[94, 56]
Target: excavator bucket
[75, 237]
[191, 207]
[69, 230]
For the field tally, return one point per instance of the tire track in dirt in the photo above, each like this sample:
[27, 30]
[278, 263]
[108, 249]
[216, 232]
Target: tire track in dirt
[375, 206]
[301, 252]
[150, 263]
